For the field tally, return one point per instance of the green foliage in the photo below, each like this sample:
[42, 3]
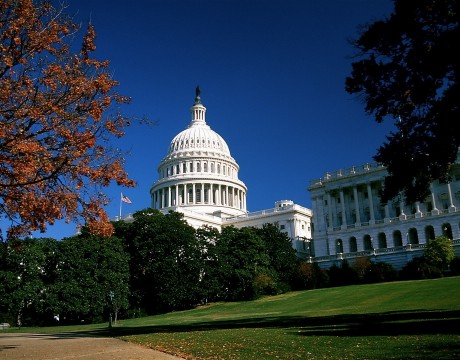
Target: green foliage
[342, 275]
[407, 72]
[166, 261]
[25, 279]
[88, 269]
[439, 252]
[419, 268]
[242, 256]
[310, 276]
[283, 260]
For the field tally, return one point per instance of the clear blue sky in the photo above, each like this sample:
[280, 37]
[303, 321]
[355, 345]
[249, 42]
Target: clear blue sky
[271, 74]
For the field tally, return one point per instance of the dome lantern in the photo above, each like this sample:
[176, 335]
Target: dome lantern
[198, 110]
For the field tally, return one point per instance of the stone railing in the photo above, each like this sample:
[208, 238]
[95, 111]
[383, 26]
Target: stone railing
[375, 252]
[266, 212]
[352, 171]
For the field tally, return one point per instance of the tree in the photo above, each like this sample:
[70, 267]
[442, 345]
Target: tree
[89, 268]
[242, 260]
[439, 252]
[166, 261]
[408, 70]
[282, 256]
[57, 116]
[25, 277]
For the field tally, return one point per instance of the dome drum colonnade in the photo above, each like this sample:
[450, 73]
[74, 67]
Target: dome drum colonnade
[198, 172]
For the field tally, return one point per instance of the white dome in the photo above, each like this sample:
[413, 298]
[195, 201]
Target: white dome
[198, 174]
[198, 136]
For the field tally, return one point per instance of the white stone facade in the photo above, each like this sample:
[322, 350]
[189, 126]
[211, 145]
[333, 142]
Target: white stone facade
[350, 221]
[199, 178]
[198, 174]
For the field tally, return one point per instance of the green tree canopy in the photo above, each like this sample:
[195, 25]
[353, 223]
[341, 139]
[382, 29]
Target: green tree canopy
[407, 71]
[439, 252]
[166, 261]
[88, 269]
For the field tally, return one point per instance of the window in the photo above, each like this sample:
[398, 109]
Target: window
[212, 167]
[184, 167]
[198, 167]
[218, 168]
[282, 227]
[191, 167]
[205, 167]
[177, 169]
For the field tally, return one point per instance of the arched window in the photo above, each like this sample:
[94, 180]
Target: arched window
[191, 167]
[198, 167]
[382, 240]
[429, 233]
[205, 167]
[184, 168]
[447, 230]
[353, 244]
[212, 167]
[218, 168]
[339, 246]
[397, 238]
[177, 169]
[412, 236]
[368, 242]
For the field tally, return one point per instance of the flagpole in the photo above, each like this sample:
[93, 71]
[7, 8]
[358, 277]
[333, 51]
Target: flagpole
[121, 202]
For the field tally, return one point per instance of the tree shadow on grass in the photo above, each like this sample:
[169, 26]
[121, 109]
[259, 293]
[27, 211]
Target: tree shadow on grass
[421, 322]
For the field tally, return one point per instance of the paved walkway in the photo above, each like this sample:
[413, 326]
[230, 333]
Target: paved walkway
[73, 346]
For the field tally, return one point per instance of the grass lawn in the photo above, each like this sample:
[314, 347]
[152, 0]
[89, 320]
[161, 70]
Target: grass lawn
[399, 320]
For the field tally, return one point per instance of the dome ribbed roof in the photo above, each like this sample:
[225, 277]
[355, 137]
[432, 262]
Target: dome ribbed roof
[198, 136]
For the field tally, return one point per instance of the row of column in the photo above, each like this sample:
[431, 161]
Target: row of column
[203, 193]
[332, 210]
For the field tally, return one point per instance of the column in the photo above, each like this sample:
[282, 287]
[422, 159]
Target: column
[226, 196]
[344, 215]
[329, 210]
[193, 193]
[452, 206]
[435, 210]
[401, 205]
[177, 202]
[185, 195]
[220, 195]
[357, 209]
[418, 213]
[162, 198]
[154, 205]
[169, 196]
[371, 204]
[211, 193]
[202, 193]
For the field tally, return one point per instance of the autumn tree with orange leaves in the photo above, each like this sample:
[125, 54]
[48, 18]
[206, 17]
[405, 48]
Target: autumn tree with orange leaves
[58, 116]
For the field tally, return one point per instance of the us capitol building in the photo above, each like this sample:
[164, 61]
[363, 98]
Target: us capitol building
[199, 178]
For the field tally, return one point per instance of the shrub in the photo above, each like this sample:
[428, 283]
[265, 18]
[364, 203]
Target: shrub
[419, 268]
